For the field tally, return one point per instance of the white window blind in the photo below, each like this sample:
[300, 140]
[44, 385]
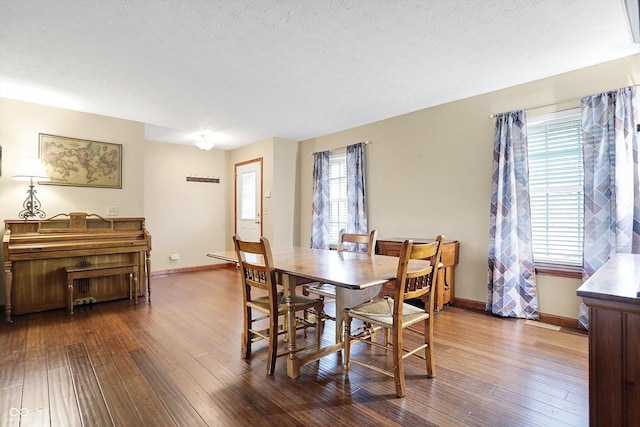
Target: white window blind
[556, 188]
[337, 195]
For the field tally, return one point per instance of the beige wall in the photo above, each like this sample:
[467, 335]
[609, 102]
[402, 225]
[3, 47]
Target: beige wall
[441, 153]
[20, 124]
[285, 160]
[188, 218]
[279, 173]
[442, 157]
[261, 149]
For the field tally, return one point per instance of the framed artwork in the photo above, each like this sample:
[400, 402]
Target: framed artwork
[80, 162]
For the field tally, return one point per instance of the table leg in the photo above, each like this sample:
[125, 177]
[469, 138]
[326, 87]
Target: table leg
[293, 366]
[296, 360]
[450, 280]
[439, 297]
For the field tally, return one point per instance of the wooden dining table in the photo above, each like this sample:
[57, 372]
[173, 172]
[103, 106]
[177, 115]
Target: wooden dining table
[297, 266]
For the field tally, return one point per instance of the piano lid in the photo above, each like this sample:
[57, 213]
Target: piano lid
[76, 224]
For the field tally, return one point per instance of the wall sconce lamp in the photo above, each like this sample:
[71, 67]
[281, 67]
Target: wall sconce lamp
[29, 169]
[204, 145]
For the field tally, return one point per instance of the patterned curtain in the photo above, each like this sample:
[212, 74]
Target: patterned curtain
[511, 279]
[320, 211]
[611, 190]
[356, 193]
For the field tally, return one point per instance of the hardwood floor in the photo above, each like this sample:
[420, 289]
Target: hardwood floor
[177, 362]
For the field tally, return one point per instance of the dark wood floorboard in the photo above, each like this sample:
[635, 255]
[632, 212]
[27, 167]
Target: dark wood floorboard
[93, 408]
[176, 362]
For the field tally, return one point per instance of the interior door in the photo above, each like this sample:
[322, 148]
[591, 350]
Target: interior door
[248, 203]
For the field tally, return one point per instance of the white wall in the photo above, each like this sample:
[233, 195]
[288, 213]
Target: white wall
[429, 172]
[188, 218]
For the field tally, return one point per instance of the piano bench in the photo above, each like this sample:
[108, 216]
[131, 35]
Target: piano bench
[103, 270]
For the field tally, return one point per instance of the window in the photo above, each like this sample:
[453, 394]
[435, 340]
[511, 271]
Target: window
[556, 189]
[337, 195]
[248, 202]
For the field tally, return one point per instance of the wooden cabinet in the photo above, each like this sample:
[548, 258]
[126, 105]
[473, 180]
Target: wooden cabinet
[445, 293]
[614, 342]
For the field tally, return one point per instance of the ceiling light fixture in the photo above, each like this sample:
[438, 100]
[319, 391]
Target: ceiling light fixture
[204, 145]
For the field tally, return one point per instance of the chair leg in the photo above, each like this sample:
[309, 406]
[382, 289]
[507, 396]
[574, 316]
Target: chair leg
[387, 339]
[346, 320]
[319, 323]
[339, 320]
[245, 339]
[243, 346]
[273, 344]
[398, 362]
[322, 318]
[428, 351]
[305, 292]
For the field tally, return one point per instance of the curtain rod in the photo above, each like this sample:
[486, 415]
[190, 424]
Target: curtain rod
[366, 142]
[566, 101]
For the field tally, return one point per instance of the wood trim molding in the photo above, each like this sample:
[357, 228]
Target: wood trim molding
[570, 273]
[192, 269]
[470, 304]
[552, 319]
[563, 322]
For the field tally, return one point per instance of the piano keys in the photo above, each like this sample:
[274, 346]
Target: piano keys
[37, 253]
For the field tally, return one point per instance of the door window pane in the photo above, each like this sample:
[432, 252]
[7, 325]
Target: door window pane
[248, 201]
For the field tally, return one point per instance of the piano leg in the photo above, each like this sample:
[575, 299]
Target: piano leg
[70, 294]
[136, 286]
[134, 289]
[8, 281]
[148, 264]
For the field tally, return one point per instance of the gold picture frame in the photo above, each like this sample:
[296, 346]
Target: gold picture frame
[81, 162]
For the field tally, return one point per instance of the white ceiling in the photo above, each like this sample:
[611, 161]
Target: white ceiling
[294, 69]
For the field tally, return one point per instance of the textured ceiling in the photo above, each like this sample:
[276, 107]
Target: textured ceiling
[295, 69]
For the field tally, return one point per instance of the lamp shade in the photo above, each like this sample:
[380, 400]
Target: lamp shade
[30, 168]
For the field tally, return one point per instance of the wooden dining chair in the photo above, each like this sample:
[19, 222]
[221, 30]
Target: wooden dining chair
[347, 242]
[394, 315]
[260, 293]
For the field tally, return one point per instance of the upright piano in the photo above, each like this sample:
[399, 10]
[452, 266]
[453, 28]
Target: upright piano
[36, 255]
